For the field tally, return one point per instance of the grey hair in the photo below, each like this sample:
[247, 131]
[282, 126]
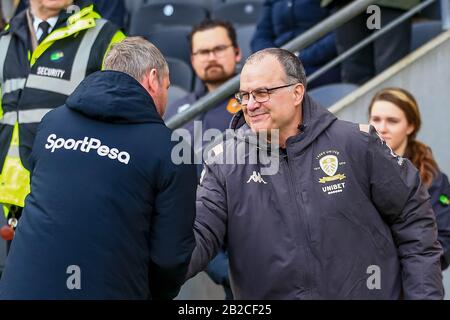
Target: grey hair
[293, 67]
[136, 57]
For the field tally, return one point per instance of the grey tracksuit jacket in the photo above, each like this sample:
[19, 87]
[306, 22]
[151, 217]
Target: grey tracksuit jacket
[343, 218]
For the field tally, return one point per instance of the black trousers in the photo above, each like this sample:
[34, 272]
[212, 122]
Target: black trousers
[378, 55]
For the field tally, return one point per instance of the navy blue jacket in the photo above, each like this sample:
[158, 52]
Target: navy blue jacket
[121, 212]
[439, 191]
[283, 20]
[338, 211]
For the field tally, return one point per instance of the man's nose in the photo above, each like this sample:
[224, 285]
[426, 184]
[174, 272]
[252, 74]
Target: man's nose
[252, 103]
[211, 56]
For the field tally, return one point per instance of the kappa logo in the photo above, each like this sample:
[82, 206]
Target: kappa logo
[256, 177]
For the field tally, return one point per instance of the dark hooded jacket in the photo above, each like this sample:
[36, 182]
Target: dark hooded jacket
[341, 218]
[440, 195]
[109, 218]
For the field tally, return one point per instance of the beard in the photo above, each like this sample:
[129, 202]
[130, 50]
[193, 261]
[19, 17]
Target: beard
[215, 74]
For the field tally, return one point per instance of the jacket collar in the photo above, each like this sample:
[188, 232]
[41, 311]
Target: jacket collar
[113, 97]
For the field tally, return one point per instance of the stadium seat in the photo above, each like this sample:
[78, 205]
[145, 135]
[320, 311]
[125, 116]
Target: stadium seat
[175, 93]
[433, 11]
[181, 74]
[172, 41]
[330, 94]
[239, 13]
[207, 4]
[156, 16]
[233, 1]
[244, 36]
[422, 32]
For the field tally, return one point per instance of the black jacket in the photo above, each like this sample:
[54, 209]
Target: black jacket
[440, 193]
[122, 212]
[341, 218]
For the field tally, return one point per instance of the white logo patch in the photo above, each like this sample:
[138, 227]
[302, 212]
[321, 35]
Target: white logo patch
[50, 72]
[86, 145]
[256, 177]
[329, 164]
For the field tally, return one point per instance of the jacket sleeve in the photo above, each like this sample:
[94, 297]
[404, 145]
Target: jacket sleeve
[440, 193]
[211, 220]
[264, 36]
[171, 235]
[218, 269]
[404, 204]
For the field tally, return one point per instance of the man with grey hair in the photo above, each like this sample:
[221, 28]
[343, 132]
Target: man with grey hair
[342, 218]
[45, 52]
[110, 216]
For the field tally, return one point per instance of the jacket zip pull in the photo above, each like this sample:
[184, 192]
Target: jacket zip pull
[12, 222]
[7, 231]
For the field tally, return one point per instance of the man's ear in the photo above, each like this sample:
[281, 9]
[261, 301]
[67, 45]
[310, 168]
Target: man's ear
[238, 53]
[299, 93]
[153, 81]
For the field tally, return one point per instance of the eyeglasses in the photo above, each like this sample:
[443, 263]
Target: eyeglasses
[259, 95]
[218, 51]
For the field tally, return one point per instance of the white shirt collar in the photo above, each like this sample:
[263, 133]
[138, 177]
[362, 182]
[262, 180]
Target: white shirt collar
[36, 21]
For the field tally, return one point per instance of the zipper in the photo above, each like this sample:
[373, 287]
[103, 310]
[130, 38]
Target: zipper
[302, 224]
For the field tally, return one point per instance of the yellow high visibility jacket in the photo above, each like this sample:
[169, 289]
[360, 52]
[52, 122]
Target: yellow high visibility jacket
[35, 82]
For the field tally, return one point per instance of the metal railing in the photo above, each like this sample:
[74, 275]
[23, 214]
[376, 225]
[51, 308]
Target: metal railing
[445, 14]
[369, 39]
[302, 41]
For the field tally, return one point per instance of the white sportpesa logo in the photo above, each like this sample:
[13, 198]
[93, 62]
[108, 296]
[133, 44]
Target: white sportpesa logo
[86, 145]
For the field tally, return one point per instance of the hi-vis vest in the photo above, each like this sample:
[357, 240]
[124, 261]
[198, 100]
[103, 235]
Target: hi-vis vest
[33, 84]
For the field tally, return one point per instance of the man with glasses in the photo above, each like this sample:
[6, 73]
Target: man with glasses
[342, 217]
[214, 56]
